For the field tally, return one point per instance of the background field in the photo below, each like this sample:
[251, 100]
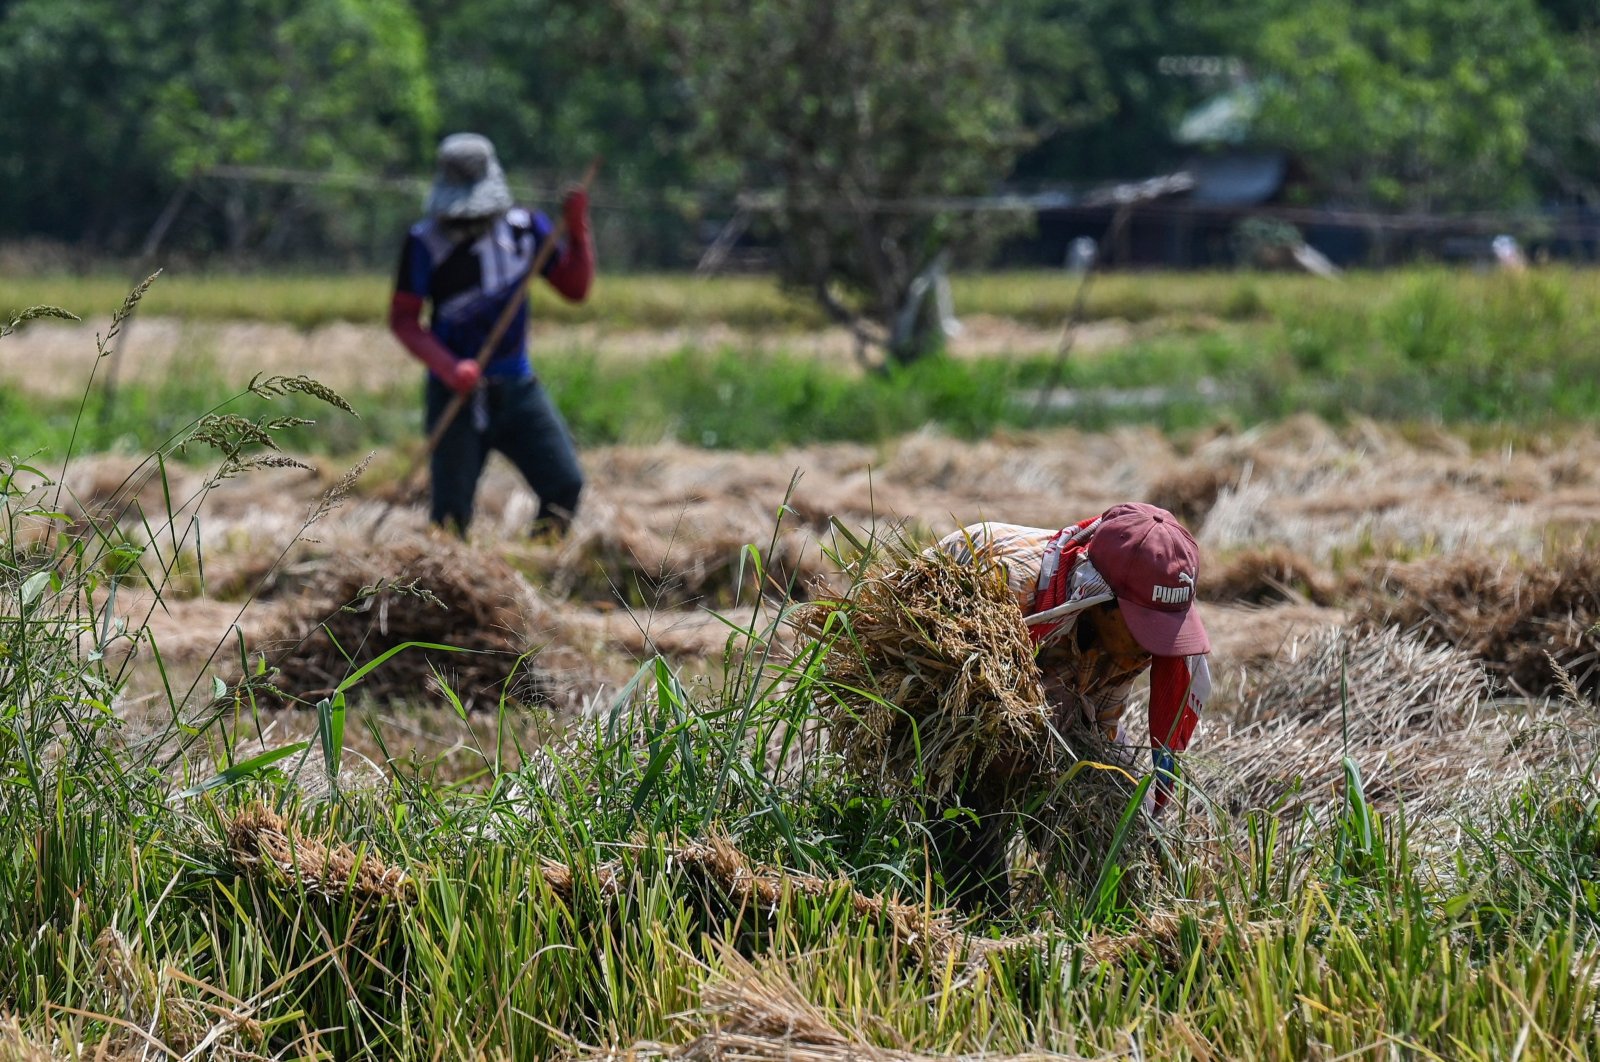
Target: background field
[1390, 845]
[731, 363]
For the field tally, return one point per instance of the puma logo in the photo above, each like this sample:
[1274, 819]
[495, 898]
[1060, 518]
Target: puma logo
[1174, 595]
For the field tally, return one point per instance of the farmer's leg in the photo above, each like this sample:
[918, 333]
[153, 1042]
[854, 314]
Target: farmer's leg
[528, 429]
[456, 463]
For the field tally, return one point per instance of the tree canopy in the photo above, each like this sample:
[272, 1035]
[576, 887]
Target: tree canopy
[854, 112]
[833, 107]
[1415, 104]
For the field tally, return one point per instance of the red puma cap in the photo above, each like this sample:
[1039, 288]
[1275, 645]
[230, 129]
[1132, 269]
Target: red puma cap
[1151, 563]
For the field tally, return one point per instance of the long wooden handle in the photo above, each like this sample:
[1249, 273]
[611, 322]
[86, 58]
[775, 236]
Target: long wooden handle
[507, 315]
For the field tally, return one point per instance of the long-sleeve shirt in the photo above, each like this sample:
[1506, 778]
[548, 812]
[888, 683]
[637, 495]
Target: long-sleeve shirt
[469, 284]
[1047, 568]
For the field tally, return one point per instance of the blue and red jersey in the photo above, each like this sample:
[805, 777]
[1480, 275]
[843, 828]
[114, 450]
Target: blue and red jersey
[469, 283]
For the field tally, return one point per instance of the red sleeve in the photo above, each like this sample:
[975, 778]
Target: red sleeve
[1173, 716]
[405, 321]
[572, 272]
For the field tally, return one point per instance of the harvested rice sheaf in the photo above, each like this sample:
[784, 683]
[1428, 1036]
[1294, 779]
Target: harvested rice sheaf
[1267, 576]
[1412, 716]
[357, 604]
[931, 933]
[261, 841]
[928, 675]
[1508, 614]
[755, 1013]
[930, 689]
[17, 1045]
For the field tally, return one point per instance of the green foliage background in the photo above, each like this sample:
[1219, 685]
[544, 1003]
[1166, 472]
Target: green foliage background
[1431, 104]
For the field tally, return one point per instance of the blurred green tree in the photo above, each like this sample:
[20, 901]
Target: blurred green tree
[1564, 147]
[118, 106]
[1415, 104]
[856, 114]
[1130, 93]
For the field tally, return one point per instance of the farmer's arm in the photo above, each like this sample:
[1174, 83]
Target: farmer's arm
[405, 320]
[1179, 686]
[571, 270]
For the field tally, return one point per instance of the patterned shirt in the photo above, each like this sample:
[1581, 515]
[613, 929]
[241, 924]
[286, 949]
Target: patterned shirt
[470, 283]
[1075, 670]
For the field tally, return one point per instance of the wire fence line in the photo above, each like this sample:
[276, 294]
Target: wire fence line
[1157, 222]
[1152, 198]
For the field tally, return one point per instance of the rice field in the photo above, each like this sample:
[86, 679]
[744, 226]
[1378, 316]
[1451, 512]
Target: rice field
[288, 776]
[646, 302]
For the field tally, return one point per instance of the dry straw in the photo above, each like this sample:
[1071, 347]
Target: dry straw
[758, 1014]
[928, 674]
[928, 932]
[261, 842]
[17, 1045]
[358, 603]
[1414, 717]
[1267, 576]
[1509, 614]
[144, 1015]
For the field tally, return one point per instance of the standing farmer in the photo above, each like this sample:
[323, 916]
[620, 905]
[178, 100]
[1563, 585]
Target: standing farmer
[468, 258]
[1105, 600]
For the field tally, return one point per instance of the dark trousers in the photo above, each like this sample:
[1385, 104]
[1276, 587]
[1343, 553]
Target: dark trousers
[524, 425]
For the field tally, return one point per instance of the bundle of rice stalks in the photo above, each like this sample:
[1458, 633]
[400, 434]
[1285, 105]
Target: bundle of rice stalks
[261, 842]
[1074, 814]
[16, 1045]
[928, 932]
[1266, 576]
[663, 559]
[1189, 489]
[153, 1019]
[1509, 615]
[1407, 713]
[753, 1014]
[927, 676]
[357, 604]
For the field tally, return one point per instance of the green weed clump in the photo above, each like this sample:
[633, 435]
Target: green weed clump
[688, 867]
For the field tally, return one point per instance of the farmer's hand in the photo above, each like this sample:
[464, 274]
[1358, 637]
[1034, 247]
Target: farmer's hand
[1165, 781]
[464, 377]
[575, 209]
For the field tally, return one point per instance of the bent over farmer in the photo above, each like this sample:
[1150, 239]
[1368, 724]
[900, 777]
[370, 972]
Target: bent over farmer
[468, 259]
[1105, 600]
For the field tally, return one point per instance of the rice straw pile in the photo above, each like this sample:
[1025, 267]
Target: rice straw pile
[928, 678]
[1266, 576]
[362, 602]
[641, 559]
[718, 862]
[1414, 717]
[1509, 614]
[757, 1013]
[17, 1046]
[144, 1015]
